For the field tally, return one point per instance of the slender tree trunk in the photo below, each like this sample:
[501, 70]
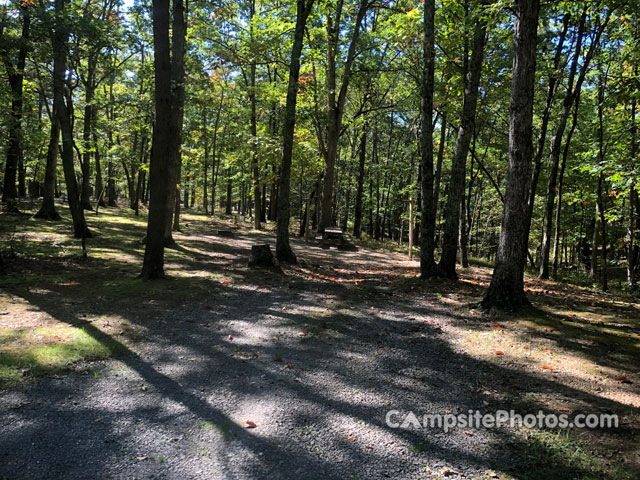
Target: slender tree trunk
[438, 175]
[555, 153]
[634, 214]
[447, 266]
[87, 137]
[229, 193]
[542, 138]
[565, 154]
[507, 282]
[99, 184]
[336, 101]
[283, 249]
[357, 217]
[48, 209]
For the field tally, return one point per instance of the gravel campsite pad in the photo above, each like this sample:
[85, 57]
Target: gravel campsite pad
[291, 376]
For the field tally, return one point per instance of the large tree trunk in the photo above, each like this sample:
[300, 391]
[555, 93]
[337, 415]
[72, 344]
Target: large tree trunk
[283, 249]
[167, 128]
[63, 110]
[428, 223]
[14, 149]
[507, 282]
[452, 212]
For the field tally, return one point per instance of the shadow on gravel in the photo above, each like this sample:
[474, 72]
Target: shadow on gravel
[224, 355]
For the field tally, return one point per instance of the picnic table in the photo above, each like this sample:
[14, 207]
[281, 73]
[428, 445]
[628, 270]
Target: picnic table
[335, 237]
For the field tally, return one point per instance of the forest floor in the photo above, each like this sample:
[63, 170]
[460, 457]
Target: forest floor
[103, 375]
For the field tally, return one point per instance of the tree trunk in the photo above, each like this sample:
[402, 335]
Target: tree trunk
[87, 137]
[427, 224]
[634, 214]
[542, 138]
[507, 282]
[99, 184]
[336, 102]
[555, 153]
[63, 110]
[167, 128]
[283, 249]
[14, 149]
[452, 212]
[438, 175]
[357, 217]
[48, 209]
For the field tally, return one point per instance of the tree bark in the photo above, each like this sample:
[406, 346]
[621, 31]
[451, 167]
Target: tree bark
[336, 102]
[428, 223]
[169, 97]
[556, 147]
[14, 149]
[283, 249]
[357, 217]
[507, 282]
[542, 138]
[447, 266]
[48, 209]
[60, 37]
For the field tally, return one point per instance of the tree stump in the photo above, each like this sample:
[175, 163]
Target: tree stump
[261, 256]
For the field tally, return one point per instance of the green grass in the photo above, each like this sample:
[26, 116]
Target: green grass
[559, 454]
[34, 352]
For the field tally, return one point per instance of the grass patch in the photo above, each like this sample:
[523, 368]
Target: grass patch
[50, 349]
[558, 454]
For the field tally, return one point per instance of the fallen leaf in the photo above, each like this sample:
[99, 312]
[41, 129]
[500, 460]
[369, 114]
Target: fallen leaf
[622, 379]
[499, 352]
[140, 459]
[225, 282]
[249, 424]
[549, 330]
[351, 437]
[547, 367]
[497, 327]
[546, 350]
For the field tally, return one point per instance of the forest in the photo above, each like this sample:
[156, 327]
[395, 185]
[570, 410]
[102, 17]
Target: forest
[482, 156]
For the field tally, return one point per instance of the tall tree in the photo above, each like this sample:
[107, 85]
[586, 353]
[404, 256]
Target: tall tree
[15, 72]
[336, 99]
[63, 107]
[447, 266]
[166, 141]
[283, 249]
[507, 282]
[428, 219]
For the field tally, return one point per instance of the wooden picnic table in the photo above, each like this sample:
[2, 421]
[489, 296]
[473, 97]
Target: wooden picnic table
[335, 237]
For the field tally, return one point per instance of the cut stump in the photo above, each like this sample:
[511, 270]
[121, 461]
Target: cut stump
[261, 256]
